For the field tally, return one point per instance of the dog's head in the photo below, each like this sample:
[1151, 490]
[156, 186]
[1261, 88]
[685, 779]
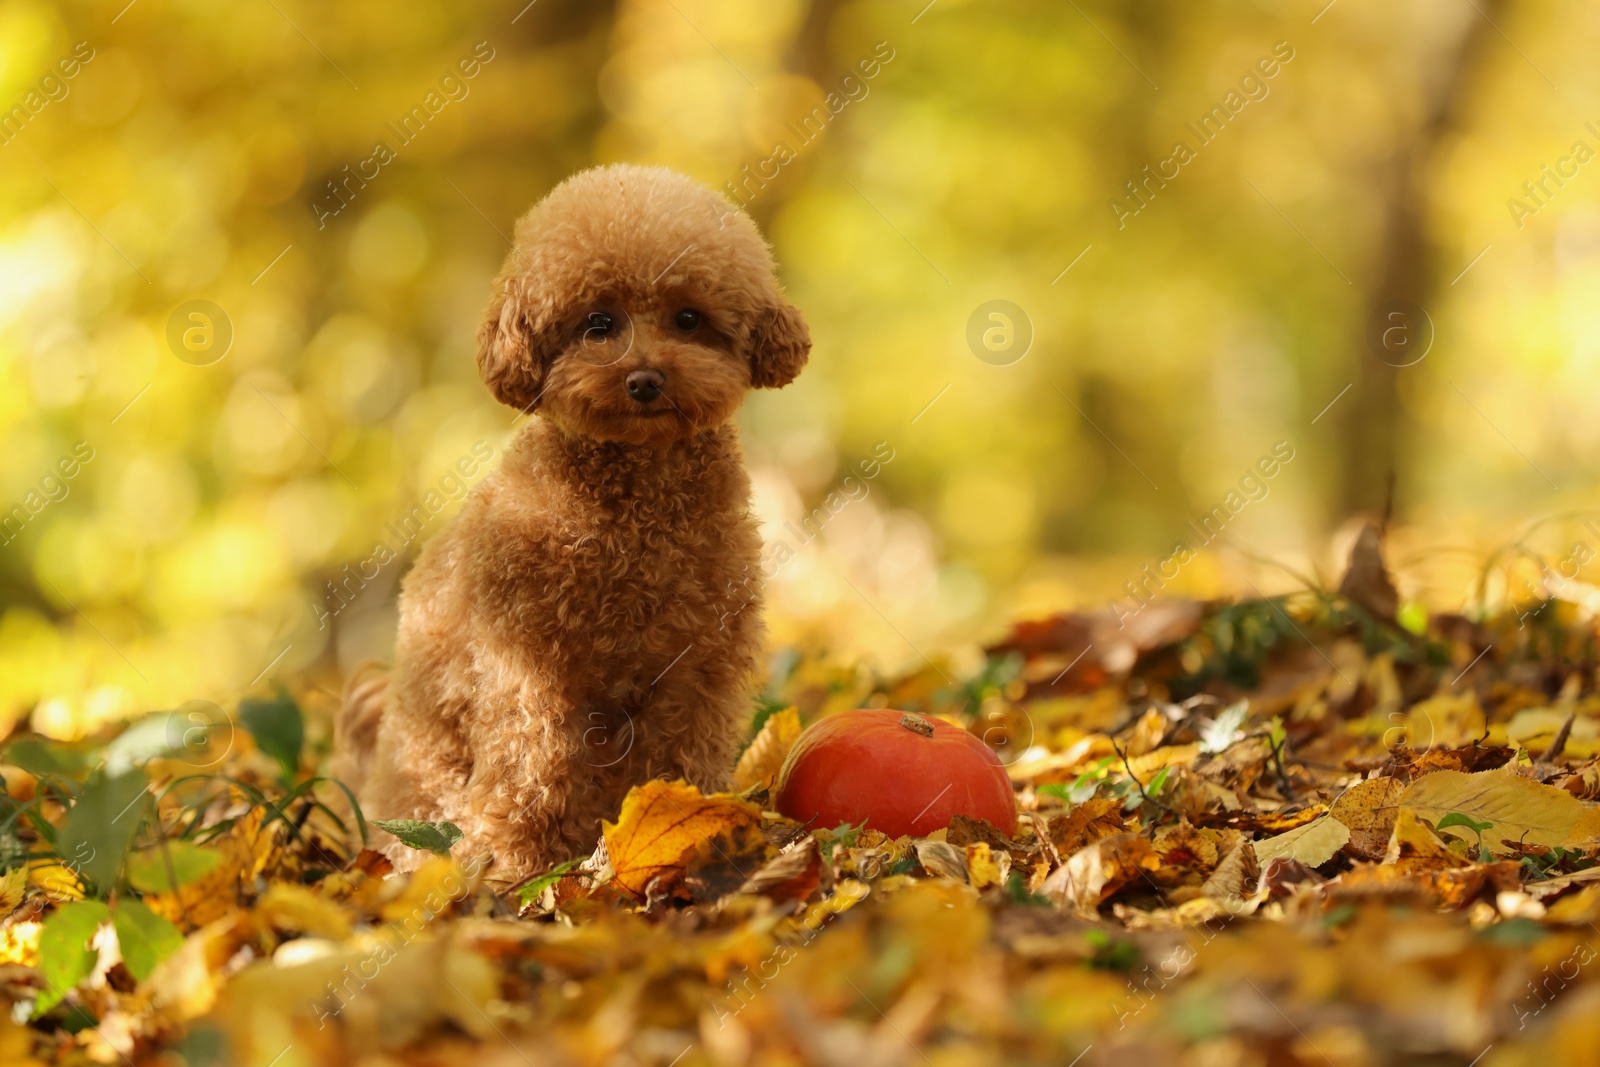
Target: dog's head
[637, 305]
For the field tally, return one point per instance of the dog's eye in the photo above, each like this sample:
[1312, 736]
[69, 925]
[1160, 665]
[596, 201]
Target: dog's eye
[600, 324]
[688, 319]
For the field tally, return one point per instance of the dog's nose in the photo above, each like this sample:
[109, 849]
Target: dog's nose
[645, 385]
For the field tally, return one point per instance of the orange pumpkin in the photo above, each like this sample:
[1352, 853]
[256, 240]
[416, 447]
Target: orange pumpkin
[900, 772]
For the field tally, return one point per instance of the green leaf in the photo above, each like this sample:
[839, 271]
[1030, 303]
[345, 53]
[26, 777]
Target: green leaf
[1057, 790]
[1018, 892]
[149, 738]
[147, 870]
[144, 937]
[42, 758]
[1413, 615]
[1156, 783]
[437, 837]
[279, 731]
[1456, 818]
[531, 891]
[1275, 731]
[1514, 931]
[1218, 734]
[65, 958]
[1088, 783]
[94, 839]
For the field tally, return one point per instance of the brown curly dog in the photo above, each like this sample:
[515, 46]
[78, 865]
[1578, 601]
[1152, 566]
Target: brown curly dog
[586, 623]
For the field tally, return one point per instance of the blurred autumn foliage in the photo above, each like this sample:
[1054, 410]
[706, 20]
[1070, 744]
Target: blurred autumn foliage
[338, 183]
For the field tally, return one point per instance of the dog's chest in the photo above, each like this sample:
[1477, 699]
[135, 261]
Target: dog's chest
[642, 573]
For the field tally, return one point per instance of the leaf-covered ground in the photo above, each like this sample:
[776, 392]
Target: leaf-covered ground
[1305, 830]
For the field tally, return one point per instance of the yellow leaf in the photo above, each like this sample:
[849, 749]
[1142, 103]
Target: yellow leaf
[59, 883]
[760, 763]
[982, 867]
[1582, 907]
[1313, 844]
[245, 849]
[432, 889]
[659, 823]
[1368, 809]
[1518, 809]
[19, 943]
[12, 884]
[296, 909]
[1415, 847]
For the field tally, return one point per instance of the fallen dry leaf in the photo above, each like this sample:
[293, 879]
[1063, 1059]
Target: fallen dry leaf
[793, 874]
[660, 823]
[1366, 580]
[759, 764]
[1085, 824]
[1368, 809]
[943, 858]
[1518, 809]
[1095, 872]
[1415, 846]
[985, 867]
[1236, 875]
[245, 848]
[1313, 844]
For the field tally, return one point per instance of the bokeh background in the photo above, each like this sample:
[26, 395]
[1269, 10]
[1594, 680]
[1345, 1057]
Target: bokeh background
[936, 157]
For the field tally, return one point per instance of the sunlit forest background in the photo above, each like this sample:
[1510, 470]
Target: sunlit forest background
[184, 493]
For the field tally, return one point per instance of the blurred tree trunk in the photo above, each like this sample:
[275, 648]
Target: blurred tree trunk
[1371, 414]
[810, 55]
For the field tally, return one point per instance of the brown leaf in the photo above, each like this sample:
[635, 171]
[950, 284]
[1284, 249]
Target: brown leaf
[1086, 823]
[1093, 873]
[1278, 875]
[964, 831]
[723, 863]
[1184, 846]
[371, 863]
[1366, 579]
[943, 858]
[660, 823]
[1236, 874]
[985, 866]
[793, 874]
[1452, 888]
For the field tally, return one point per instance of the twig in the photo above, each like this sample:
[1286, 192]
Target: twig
[172, 871]
[792, 838]
[1560, 743]
[1146, 797]
[1277, 758]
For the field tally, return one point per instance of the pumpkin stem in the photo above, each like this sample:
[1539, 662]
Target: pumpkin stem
[916, 724]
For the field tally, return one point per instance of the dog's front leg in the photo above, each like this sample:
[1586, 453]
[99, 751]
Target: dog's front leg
[525, 800]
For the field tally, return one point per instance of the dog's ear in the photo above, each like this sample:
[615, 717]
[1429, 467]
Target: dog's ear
[779, 345]
[509, 360]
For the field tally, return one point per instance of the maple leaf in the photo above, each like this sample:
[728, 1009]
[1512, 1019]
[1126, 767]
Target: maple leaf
[660, 823]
